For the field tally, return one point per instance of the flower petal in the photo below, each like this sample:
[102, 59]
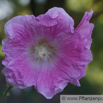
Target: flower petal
[50, 83]
[12, 49]
[54, 80]
[18, 27]
[57, 16]
[20, 73]
[85, 28]
[20, 36]
[73, 55]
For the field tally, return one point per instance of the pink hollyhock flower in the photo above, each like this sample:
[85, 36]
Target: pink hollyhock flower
[46, 51]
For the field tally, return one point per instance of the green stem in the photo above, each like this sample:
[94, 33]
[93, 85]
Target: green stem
[5, 93]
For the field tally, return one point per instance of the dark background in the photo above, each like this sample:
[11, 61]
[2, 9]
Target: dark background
[92, 83]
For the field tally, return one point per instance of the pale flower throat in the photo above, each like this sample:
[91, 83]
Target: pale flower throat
[41, 51]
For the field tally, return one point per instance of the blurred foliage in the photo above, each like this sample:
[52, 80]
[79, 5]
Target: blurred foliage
[92, 83]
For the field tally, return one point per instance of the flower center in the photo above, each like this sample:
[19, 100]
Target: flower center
[42, 52]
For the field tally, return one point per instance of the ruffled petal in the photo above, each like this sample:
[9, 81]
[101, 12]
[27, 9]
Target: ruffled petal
[12, 49]
[20, 37]
[85, 28]
[54, 80]
[63, 18]
[51, 82]
[18, 28]
[57, 18]
[21, 73]
[73, 56]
